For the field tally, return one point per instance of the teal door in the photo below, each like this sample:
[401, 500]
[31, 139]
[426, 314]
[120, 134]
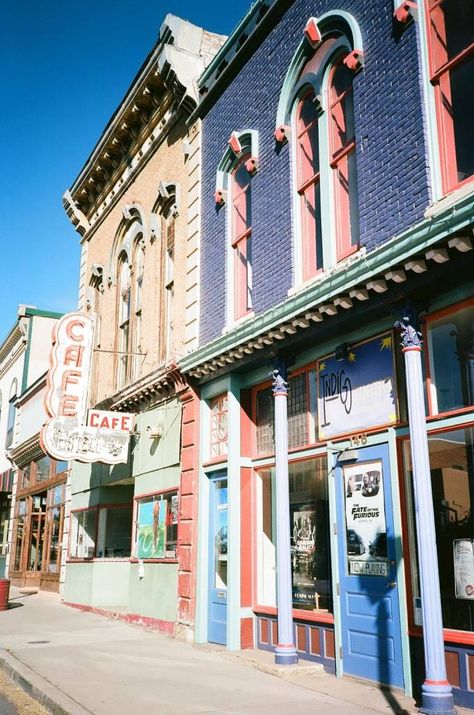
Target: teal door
[217, 611]
[370, 621]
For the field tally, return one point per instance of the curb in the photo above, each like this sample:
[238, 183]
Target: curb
[44, 692]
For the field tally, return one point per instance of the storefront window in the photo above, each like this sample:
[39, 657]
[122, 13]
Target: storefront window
[451, 356]
[309, 536]
[157, 526]
[452, 475]
[114, 536]
[19, 533]
[25, 477]
[83, 534]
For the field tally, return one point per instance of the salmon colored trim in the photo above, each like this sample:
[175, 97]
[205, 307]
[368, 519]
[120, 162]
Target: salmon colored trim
[172, 560]
[153, 624]
[436, 682]
[247, 540]
[159, 491]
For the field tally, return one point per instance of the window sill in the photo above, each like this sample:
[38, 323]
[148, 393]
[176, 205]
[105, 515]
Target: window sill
[451, 197]
[121, 559]
[297, 613]
[237, 322]
[222, 460]
[154, 561]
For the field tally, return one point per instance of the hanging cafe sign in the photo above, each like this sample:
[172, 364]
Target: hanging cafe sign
[72, 432]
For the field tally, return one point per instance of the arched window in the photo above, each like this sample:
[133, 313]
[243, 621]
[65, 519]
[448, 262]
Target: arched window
[139, 267]
[11, 413]
[241, 237]
[308, 184]
[316, 102]
[451, 44]
[343, 159]
[123, 319]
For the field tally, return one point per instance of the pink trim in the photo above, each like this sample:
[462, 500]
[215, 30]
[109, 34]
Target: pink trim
[281, 133]
[251, 165]
[354, 60]
[406, 12]
[219, 197]
[152, 624]
[152, 494]
[415, 349]
[312, 33]
[298, 613]
[234, 143]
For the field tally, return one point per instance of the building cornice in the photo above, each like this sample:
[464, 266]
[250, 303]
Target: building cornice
[18, 334]
[162, 91]
[26, 452]
[350, 282]
[161, 384]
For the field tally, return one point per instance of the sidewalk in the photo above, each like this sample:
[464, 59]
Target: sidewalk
[79, 663]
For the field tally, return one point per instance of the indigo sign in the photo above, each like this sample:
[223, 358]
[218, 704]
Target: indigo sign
[359, 391]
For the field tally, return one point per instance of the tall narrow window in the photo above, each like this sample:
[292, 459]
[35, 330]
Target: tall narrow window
[343, 160]
[451, 36]
[169, 284]
[308, 185]
[11, 414]
[137, 328]
[241, 223]
[124, 306]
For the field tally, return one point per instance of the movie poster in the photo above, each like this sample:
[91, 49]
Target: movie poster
[463, 554]
[303, 547]
[152, 529]
[366, 529]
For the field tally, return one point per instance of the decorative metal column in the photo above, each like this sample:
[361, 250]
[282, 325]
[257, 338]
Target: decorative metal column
[285, 652]
[437, 698]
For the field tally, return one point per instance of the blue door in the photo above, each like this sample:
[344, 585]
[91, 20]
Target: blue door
[217, 613]
[370, 621]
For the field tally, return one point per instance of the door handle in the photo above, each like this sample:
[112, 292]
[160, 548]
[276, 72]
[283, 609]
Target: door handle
[391, 584]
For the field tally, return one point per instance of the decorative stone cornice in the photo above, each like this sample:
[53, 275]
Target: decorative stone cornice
[164, 382]
[163, 91]
[26, 452]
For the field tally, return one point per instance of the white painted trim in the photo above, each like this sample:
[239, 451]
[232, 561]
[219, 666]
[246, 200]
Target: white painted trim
[233, 511]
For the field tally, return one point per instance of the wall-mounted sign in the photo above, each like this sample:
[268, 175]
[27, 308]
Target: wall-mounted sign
[366, 529]
[358, 391]
[104, 436]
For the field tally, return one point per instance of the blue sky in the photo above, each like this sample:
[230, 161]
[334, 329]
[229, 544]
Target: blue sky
[65, 65]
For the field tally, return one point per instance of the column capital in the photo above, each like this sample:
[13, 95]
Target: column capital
[410, 338]
[279, 381]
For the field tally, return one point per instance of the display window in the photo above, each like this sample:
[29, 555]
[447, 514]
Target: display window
[156, 526]
[450, 359]
[101, 532]
[218, 427]
[309, 536]
[451, 454]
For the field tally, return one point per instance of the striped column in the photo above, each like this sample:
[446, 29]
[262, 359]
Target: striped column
[285, 651]
[437, 698]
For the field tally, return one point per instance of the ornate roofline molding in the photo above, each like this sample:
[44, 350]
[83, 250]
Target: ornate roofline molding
[164, 382]
[26, 452]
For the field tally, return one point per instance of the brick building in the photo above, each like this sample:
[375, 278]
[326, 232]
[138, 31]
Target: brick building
[337, 199]
[135, 205]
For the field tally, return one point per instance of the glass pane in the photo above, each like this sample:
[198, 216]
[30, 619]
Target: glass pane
[218, 426]
[157, 527]
[55, 517]
[311, 231]
[451, 341]
[265, 418]
[308, 140]
[297, 411]
[35, 552]
[43, 469]
[220, 550]
[20, 532]
[83, 534]
[115, 532]
[453, 27]
[61, 467]
[462, 108]
[452, 474]
[342, 107]
[25, 476]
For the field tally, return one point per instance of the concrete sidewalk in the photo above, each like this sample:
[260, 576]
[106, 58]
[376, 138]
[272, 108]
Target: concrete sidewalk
[76, 663]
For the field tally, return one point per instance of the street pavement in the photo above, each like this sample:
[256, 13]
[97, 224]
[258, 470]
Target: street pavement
[78, 663]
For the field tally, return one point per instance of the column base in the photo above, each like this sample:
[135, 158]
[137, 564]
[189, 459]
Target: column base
[286, 655]
[437, 700]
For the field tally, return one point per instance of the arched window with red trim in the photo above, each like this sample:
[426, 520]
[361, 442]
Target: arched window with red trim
[308, 184]
[241, 238]
[343, 159]
[451, 45]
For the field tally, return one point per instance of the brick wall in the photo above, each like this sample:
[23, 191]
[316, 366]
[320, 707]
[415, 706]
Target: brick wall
[391, 151]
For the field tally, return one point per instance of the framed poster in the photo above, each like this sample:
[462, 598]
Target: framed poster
[152, 529]
[463, 555]
[366, 528]
[303, 547]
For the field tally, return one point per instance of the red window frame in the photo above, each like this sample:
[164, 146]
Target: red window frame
[441, 68]
[241, 232]
[308, 184]
[342, 151]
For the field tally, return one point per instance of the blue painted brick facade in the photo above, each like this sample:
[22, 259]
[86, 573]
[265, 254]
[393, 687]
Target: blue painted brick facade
[391, 151]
